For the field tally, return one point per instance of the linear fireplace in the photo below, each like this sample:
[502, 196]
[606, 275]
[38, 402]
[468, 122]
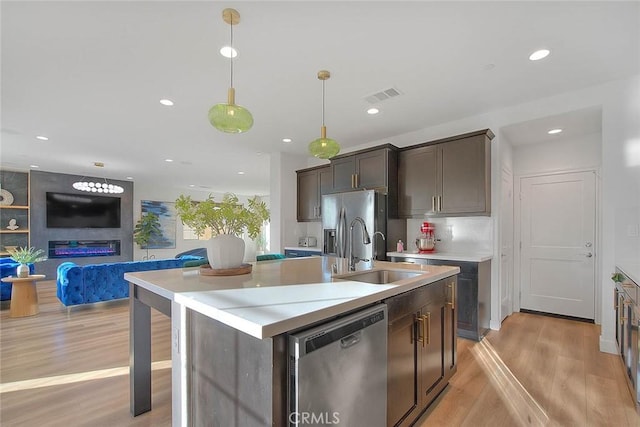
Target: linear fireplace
[83, 248]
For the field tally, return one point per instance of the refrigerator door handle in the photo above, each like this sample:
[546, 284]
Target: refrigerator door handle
[342, 225]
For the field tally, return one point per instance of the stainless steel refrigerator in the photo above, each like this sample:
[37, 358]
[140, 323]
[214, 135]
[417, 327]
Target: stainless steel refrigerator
[338, 212]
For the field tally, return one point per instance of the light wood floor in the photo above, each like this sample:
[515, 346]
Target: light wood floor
[71, 370]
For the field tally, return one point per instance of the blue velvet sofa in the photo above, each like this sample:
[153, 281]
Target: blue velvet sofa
[8, 268]
[104, 282]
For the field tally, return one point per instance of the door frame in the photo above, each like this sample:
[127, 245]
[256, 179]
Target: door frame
[511, 273]
[517, 225]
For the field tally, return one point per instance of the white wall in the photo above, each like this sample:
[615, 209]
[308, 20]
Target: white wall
[553, 156]
[285, 230]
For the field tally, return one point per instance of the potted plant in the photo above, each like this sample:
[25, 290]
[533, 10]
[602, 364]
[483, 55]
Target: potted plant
[227, 219]
[147, 227]
[25, 256]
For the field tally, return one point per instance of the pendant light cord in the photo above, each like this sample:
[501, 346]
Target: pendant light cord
[323, 103]
[231, 54]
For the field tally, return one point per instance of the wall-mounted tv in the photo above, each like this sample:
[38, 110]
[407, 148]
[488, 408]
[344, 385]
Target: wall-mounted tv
[82, 211]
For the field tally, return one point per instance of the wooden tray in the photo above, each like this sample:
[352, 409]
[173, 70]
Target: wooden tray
[206, 270]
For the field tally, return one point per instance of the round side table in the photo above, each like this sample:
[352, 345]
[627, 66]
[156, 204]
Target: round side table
[24, 296]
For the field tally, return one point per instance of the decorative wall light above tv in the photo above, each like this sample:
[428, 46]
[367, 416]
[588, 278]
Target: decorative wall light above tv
[98, 187]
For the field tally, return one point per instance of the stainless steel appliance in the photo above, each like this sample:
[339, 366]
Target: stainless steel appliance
[340, 210]
[338, 372]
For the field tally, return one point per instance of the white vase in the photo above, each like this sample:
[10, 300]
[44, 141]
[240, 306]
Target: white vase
[225, 251]
[22, 270]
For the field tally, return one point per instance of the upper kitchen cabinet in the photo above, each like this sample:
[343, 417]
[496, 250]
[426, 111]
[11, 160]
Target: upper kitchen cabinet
[449, 177]
[312, 184]
[372, 169]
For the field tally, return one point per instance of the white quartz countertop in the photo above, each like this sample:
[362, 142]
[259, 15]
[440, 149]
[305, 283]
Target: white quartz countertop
[446, 256]
[281, 295]
[631, 269]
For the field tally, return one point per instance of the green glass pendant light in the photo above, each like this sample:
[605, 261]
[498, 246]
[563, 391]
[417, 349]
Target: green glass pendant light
[229, 117]
[323, 147]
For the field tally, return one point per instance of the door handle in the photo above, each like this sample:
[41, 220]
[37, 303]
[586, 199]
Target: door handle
[588, 244]
[420, 320]
[427, 334]
[588, 254]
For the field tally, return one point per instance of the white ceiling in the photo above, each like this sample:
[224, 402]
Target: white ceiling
[89, 76]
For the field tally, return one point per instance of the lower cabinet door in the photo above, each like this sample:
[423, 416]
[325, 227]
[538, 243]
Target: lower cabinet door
[403, 398]
[431, 321]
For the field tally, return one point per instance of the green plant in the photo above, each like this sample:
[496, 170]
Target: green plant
[225, 217]
[147, 227]
[617, 277]
[27, 255]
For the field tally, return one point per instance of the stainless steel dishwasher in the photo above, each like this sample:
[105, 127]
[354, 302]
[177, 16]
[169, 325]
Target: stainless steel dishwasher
[338, 372]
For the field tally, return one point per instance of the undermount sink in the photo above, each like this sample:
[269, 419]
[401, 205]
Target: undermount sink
[380, 277]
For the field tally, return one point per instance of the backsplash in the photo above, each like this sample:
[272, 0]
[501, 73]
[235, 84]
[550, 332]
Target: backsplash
[460, 234]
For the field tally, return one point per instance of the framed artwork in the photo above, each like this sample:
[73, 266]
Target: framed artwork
[166, 212]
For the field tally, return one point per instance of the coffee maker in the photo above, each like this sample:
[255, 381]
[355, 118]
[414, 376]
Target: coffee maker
[426, 241]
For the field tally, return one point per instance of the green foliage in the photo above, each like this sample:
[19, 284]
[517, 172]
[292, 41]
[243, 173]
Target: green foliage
[617, 277]
[225, 217]
[27, 255]
[147, 227]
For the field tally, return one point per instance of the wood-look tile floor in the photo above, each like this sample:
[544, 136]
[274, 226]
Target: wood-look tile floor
[72, 370]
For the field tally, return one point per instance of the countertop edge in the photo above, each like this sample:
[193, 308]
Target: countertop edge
[480, 257]
[269, 330]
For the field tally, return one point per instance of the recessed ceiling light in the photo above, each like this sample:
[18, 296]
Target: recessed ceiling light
[42, 138]
[539, 54]
[34, 166]
[129, 177]
[373, 111]
[240, 173]
[192, 185]
[166, 102]
[286, 140]
[168, 160]
[554, 131]
[228, 52]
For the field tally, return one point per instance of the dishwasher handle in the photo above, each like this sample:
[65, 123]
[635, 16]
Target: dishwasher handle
[351, 340]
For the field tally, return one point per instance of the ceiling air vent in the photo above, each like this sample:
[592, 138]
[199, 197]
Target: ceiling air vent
[383, 95]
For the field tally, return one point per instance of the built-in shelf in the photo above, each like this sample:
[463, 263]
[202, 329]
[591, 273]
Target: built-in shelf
[16, 183]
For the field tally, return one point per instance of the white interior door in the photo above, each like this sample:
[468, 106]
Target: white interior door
[506, 246]
[557, 238]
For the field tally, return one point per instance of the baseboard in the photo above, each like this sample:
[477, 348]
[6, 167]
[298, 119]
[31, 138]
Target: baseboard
[559, 316]
[495, 325]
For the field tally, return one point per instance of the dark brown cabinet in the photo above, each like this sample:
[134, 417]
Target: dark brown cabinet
[420, 349]
[473, 296]
[446, 177]
[312, 184]
[627, 307]
[372, 169]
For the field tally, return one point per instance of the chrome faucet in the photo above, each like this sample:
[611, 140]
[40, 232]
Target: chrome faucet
[366, 240]
[374, 256]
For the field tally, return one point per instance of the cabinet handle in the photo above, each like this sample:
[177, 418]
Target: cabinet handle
[452, 285]
[615, 299]
[433, 204]
[352, 181]
[427, 334]
[439, 203]
[356, 179]
[420, 320]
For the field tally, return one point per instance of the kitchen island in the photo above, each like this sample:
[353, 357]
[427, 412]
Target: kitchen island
[229, 345]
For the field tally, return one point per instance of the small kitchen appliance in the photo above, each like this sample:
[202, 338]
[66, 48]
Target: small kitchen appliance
[426, 241]
[308, 242]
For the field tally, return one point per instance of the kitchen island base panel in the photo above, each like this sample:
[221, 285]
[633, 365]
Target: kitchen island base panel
[235, 379]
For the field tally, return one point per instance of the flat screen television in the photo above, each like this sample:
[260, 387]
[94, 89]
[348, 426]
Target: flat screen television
[82, 211]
